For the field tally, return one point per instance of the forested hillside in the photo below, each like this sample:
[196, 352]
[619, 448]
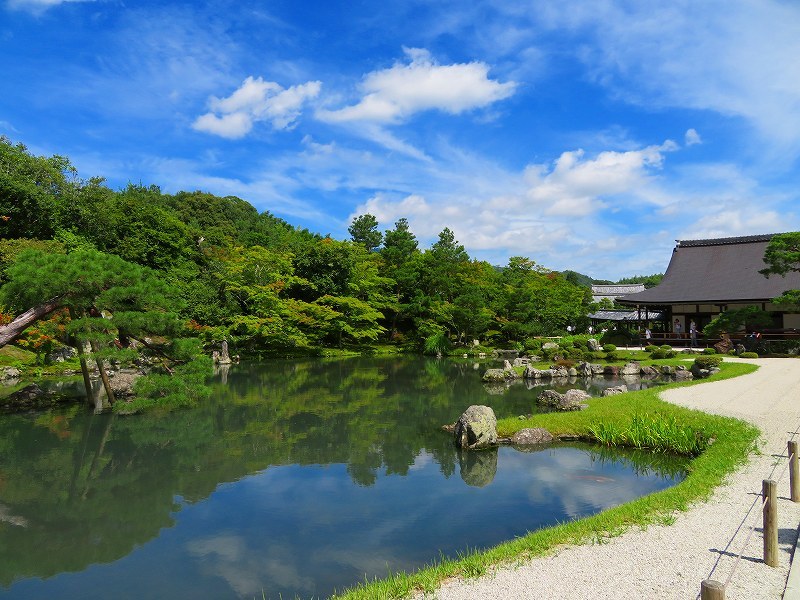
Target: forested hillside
[267, 287]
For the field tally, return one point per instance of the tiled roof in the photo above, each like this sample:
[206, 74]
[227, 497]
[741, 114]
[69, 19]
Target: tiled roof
[717, 271]
[626, 315]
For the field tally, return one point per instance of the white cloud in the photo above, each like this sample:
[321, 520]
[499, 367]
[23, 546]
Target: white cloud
[393, 95]
[561, 214]
[255, 101]
[734, 57]
[692, 137]
[578, 186]
[38, 6]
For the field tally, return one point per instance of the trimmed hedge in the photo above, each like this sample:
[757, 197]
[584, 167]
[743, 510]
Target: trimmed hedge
[708, 362]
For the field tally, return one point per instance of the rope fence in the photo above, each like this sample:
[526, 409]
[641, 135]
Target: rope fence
[711, 589]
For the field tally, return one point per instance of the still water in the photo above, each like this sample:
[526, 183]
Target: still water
[294, 479]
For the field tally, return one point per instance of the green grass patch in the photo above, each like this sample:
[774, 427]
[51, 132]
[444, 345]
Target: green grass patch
[727, 444]
[11, 356]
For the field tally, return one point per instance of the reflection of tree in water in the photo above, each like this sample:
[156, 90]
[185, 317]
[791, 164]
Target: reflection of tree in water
[662, 464]
[92, 487]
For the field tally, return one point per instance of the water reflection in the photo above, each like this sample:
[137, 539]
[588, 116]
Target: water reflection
[294, 478]
[478, 468]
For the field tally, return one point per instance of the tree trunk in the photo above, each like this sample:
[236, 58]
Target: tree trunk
[106, 383]
[91, 397]
[11, 331]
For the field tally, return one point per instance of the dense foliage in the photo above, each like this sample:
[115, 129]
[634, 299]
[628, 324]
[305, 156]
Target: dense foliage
[783, 256]
[268, 287]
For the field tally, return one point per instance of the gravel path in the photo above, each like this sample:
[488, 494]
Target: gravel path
[664, 562]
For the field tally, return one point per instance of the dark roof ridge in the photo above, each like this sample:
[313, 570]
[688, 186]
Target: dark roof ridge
[745, 239]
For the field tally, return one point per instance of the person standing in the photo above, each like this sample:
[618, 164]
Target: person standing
[676, 327]
[693, 333]
[648, 335]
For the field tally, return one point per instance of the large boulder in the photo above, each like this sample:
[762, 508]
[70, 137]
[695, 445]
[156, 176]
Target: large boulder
[532, 373]
[550, 346]
[494, 376]
[571, 400]
[593, 345]
[476, 428]
[575, 395]
[617, 389]
[682, 373]
[648, 371]
[123, 381]
[631, 368]
[584, 369]
[531, 436]
[725, 345]
[522, 361]
[9, 373]
[558, 371]
[61, 354]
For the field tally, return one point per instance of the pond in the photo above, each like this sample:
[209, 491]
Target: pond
[297, 478]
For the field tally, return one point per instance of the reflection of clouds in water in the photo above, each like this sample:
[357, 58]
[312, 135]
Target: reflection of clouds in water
[228, 557]
[422, 460]
[305, 529]
[571, 476]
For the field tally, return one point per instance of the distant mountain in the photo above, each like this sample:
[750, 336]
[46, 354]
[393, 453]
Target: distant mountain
[580, 279]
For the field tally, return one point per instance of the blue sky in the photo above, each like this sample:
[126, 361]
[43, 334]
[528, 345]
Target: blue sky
[587, 135]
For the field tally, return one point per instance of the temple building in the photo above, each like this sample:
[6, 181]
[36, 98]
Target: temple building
[707, 277]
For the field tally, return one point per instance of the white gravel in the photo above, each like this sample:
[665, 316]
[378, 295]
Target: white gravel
[664, 562]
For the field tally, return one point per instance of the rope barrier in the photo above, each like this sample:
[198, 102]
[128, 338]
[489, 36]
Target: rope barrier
[764, 504]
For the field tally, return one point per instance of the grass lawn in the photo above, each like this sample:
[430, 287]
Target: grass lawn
[731, 443]
[11, 356]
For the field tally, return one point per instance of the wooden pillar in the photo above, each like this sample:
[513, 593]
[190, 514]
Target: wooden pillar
[712, 590]
[769, 494]
[794, 472]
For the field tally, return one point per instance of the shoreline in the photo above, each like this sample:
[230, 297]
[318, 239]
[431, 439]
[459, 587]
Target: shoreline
[671, 561]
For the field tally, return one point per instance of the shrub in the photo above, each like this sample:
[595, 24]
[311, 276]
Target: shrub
[749, 355]
[566, 363]
[651, 348]
[710, 351]
[532, 345]
[436, 343]
[665, 347]
[708, 362]
[609, 348]
[661, 353]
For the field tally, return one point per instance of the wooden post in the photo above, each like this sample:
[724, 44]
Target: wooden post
[712, 590]
[794, 472]
[769, 493]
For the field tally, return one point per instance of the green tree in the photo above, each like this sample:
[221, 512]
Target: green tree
[782, 256]
[735, 320]
[114, 306]
[400, 264]
[649, 281]
[364, 230]
[441, 265]
[536, 301]
[31, 188]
